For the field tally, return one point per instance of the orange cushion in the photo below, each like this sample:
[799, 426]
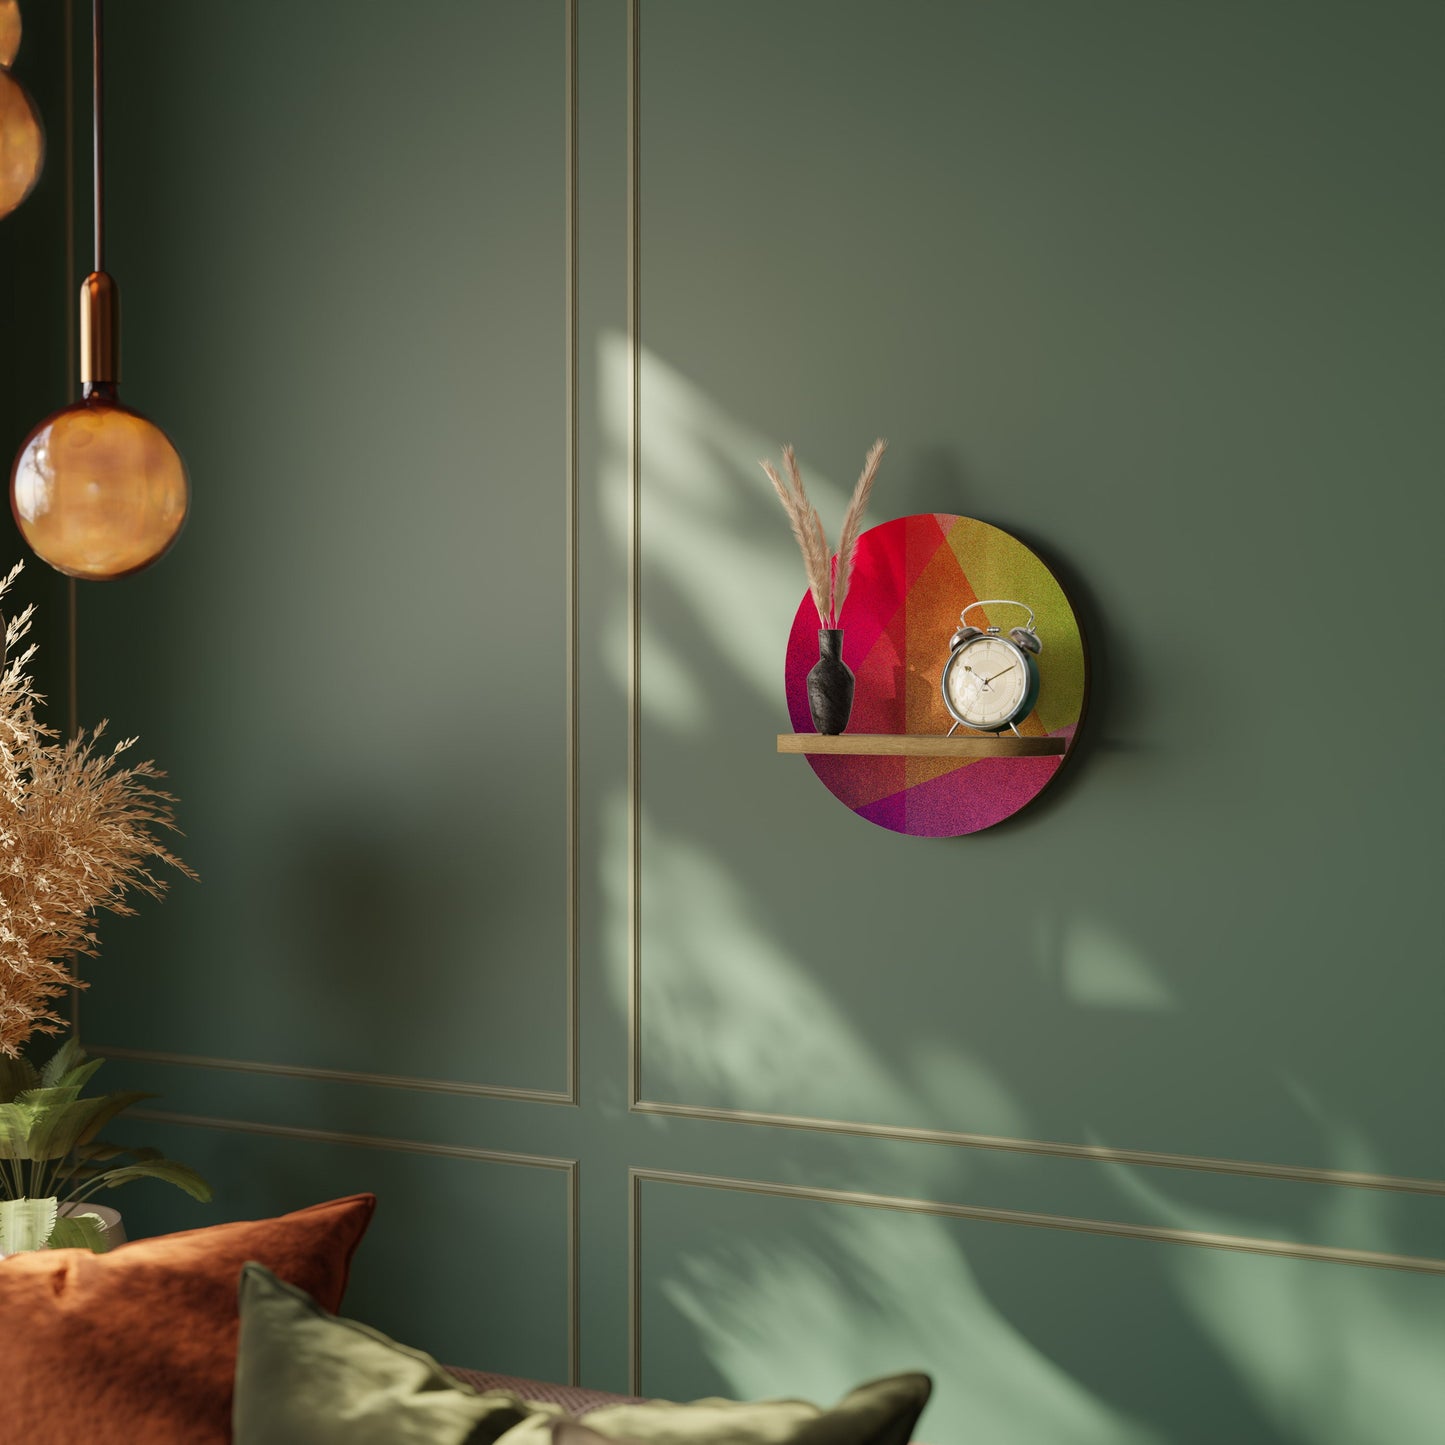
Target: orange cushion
[140, 1344]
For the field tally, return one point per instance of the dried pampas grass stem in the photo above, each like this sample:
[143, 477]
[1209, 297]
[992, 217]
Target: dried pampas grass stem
[77, 834]
[828, 578]
[853, 524]
[808, 533]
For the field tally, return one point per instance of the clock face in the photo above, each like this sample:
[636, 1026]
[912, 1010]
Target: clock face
[985, 683]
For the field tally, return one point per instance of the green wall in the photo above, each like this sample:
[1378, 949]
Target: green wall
[34, 356]
[680, 1068]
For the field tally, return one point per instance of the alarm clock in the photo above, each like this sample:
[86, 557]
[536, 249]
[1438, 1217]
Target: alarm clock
[991, 681]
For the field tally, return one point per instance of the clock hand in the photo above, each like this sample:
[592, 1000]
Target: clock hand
[1009, 668]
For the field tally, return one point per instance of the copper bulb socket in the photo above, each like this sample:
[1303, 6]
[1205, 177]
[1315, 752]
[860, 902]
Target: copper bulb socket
[99, 328]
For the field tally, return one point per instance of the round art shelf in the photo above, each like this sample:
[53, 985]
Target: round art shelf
[896, 766]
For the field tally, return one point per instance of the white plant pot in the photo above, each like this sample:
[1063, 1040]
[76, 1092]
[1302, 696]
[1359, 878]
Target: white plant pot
[27, 1219]
[114, 1228]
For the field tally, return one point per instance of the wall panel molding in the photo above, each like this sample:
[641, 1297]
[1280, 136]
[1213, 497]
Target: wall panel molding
[1098, 1153]
[637, 1103]
[1200, 1239]
[338, 1076]
[634, 549]
[568, 1094]
[567, 1167]
[571, 352]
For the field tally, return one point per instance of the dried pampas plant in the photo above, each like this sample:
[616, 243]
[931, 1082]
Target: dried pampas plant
[853, 524]
[807, 528]
[76, 835]
[828, 583]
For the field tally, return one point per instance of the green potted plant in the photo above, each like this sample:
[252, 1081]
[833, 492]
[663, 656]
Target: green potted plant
[79, 834]
[52, 1161]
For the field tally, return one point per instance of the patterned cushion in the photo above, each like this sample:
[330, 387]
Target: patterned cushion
[572, 1398]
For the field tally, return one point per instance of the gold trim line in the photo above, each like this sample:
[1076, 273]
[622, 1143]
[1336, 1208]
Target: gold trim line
[634, 1279]
[634, 549]
[1099, 1153]
[336, 1076]
[366, 1141]
[571, 347]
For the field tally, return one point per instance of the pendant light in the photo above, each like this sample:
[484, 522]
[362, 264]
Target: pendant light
[98, 491]
[22, 138]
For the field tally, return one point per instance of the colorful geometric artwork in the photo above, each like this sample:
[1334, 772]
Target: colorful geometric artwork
[912, 579]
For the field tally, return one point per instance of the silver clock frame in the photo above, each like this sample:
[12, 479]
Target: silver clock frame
[1026, 701]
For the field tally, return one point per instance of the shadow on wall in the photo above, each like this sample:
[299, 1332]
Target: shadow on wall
[1034, 1335]
[1122, 953]
[781, 969]
[388, 902]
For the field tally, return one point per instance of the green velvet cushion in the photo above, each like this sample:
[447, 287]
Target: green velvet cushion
[881, 1413]
[305, 1377]
[572, 1432]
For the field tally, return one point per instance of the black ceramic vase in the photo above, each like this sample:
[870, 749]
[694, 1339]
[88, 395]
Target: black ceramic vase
[830, 684]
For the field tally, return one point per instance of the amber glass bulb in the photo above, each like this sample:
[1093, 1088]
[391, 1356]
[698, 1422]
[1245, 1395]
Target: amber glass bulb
[98, 491]
[9, 30]
[22, 143]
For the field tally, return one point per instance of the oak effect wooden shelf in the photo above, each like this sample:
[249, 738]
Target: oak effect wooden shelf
[922, 745]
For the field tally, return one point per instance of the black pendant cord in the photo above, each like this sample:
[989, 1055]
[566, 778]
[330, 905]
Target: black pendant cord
[97, 142]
